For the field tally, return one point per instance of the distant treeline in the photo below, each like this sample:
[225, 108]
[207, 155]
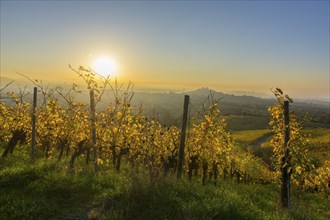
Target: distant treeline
[167, 107]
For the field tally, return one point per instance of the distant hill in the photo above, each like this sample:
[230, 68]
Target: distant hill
[250, 110]
[167, 106]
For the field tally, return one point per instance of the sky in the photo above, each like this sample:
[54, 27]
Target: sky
[224, 45]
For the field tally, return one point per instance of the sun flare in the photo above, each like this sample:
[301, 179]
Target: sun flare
[105, 66]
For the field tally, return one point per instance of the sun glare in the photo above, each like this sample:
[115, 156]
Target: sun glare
[105, 66]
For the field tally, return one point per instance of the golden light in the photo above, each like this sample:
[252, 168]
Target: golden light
[105, 66]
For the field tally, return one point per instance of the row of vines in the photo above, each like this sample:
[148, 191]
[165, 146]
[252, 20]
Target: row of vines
[124, 136]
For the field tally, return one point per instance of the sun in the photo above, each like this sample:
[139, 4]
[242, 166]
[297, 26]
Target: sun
[105, 66]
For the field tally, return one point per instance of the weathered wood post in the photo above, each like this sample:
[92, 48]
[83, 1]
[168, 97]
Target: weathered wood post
[33, 138]
[183, 135]
[285, 189]
[92, 105]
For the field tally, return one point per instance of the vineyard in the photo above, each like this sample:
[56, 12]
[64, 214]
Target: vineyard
[76, 138]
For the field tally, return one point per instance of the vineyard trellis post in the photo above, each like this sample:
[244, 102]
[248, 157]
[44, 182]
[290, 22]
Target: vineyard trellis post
[33, 138]
[285, 189]
[92, 106]
[183, 135]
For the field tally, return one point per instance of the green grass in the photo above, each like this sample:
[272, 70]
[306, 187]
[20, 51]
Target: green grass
[254, 140]
[238, 122]
[320, 137]
[250, 136]
[319, 146]
[45, 190]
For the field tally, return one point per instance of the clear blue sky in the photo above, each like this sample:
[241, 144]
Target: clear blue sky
[240, 45]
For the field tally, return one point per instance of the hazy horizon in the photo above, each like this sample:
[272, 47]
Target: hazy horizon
[227, 46]
[22, 82]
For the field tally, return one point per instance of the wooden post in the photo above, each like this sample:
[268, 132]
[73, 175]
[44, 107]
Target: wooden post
[92, 105]
[285, 189]
[183, 135]
[33, 139]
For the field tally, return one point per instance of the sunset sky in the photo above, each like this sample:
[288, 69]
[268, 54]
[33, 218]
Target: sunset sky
[227, 46]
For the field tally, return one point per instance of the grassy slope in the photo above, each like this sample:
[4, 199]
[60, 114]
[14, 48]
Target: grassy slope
[46, 191]
[319, 145]
[250, 136]
[237, 122]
